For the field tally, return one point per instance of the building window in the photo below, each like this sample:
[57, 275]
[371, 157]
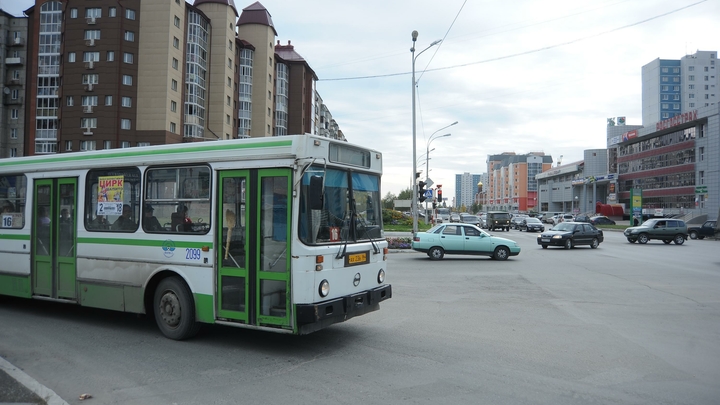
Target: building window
[127, 102]
[176, 43]
[691, 78]
[664, 88]
[71, 57]
[701, 151]
[91, 56]
[68, 146]
[93, 12]
[73, 13]
[129, 36]
[108, 100]
[88, 123]
[127, 80]
[128, 58]
[107, 144]
[173, 106]
[664, 106]
[69, 101]
[173, 85]
[664, 79]
[676, 88]
[692, 105]
[110, 56]
[173, 128]
[14, 114]
[112, 12]
[175, 63]
[92, 34]
[140, 144]
[227, 101]
[87, 145]
[270, 61]
[13, 133]
[125, 144]
[130, 14]
[177, 21]
[665, 97]
[702, 177]
[691, 68]
[664, 70]
[125, 123]
[229, 82]
[90, 79]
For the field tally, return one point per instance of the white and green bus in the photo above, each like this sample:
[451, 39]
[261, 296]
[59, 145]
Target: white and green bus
[280, 234]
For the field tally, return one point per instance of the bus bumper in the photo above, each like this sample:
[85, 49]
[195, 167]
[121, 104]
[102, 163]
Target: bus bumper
[313, 317]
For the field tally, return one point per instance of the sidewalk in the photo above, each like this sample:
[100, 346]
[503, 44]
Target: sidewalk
[18, 388]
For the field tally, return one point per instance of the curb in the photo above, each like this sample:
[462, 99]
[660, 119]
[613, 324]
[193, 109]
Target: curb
[44, 393]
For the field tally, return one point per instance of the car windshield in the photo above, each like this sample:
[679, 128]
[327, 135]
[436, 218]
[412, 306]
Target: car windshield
[650, 223]
[564, 226]
[532, 221]
[469, 218]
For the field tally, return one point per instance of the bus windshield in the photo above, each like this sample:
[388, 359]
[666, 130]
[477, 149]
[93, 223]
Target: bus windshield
[350, 209]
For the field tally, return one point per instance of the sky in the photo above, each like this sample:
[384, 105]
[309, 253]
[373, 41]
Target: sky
[518, 76]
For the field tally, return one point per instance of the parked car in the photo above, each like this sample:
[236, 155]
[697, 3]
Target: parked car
[454, 217]
[667, 230]
[531, 225]
[601, 220]
[464, 239]
[563, 218]
[470, 219]
[582, 218]
[517, 220]
[571, 234]
[498, 220]
[549, 217]
[700, 232]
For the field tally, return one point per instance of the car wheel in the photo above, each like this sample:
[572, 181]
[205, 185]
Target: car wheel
[436, 253]
[693, 234]
[679, 239]
[568, 244]
[667, 241]
[643, 238]
[594, 244]
[544, 246]
[501, 253]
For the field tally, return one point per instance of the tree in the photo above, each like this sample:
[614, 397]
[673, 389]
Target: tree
[406, 194]
[387, 201]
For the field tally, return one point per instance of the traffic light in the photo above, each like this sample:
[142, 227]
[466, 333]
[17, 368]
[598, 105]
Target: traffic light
[421, 191]
[434, 205]
[439, 194]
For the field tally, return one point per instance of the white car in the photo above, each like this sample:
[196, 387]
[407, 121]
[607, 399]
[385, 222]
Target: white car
[563, 218]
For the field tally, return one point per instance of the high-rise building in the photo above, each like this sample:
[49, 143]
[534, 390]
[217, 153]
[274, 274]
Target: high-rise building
[511, 183]
[465, 189]
[110, 75]
[12, 83]
[671, 87]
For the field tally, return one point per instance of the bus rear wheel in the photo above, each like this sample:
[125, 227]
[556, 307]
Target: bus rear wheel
[174, 309]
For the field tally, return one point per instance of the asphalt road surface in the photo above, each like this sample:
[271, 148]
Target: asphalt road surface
[622, 324]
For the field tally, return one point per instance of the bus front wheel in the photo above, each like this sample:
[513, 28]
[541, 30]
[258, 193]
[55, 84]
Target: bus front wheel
[174, 309]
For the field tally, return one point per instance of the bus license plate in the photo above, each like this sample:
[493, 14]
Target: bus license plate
[353, 259]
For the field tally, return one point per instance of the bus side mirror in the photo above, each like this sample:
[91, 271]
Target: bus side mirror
[315, 193]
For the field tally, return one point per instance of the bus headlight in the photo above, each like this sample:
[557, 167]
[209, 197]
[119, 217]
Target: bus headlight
[381, 276]
[324, 289]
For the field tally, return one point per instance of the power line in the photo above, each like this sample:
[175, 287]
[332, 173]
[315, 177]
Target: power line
[525, 52]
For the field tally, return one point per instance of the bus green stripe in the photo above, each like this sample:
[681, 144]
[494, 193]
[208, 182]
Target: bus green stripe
[135, 152]
[10, 236]
[144, 242]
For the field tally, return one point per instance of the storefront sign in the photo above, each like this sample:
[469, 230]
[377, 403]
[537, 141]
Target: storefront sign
[676, 120]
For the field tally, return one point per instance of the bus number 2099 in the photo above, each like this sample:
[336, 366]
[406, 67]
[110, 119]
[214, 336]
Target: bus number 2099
[192, 254]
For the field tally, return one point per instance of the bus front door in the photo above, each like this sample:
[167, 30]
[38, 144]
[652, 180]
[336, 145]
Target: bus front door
[54, 239]
[253, 247]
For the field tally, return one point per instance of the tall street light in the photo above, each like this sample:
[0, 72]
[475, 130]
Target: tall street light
[427, 157]
[415, 186]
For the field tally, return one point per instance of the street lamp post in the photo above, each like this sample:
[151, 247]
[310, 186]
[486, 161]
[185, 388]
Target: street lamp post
[427, 157]
[575, 201]
[415, 188]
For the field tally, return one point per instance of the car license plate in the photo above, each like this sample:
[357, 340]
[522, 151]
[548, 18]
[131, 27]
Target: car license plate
[354, 259]
[545, 240]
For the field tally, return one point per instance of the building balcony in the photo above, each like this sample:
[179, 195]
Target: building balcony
[90, 42]
[8, 100]
[90, 65]
[13, 82]
[15, 61]
[87, 109]
[16, 41]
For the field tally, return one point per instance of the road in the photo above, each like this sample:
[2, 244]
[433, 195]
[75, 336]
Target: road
[623, 324]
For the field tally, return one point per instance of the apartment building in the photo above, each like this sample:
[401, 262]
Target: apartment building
[114, 74]
[511, 183]
[13, 49]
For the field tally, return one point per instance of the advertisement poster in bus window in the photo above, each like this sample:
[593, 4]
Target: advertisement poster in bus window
[110, 195]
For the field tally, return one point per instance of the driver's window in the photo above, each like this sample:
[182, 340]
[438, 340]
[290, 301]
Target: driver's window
[177, 200]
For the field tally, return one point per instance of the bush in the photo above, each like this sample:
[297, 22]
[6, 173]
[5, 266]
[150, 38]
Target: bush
[399, 243]
[393, 217]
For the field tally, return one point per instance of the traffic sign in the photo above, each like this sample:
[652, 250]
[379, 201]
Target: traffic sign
[428, 193]
[429, 182]
[701, 190]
